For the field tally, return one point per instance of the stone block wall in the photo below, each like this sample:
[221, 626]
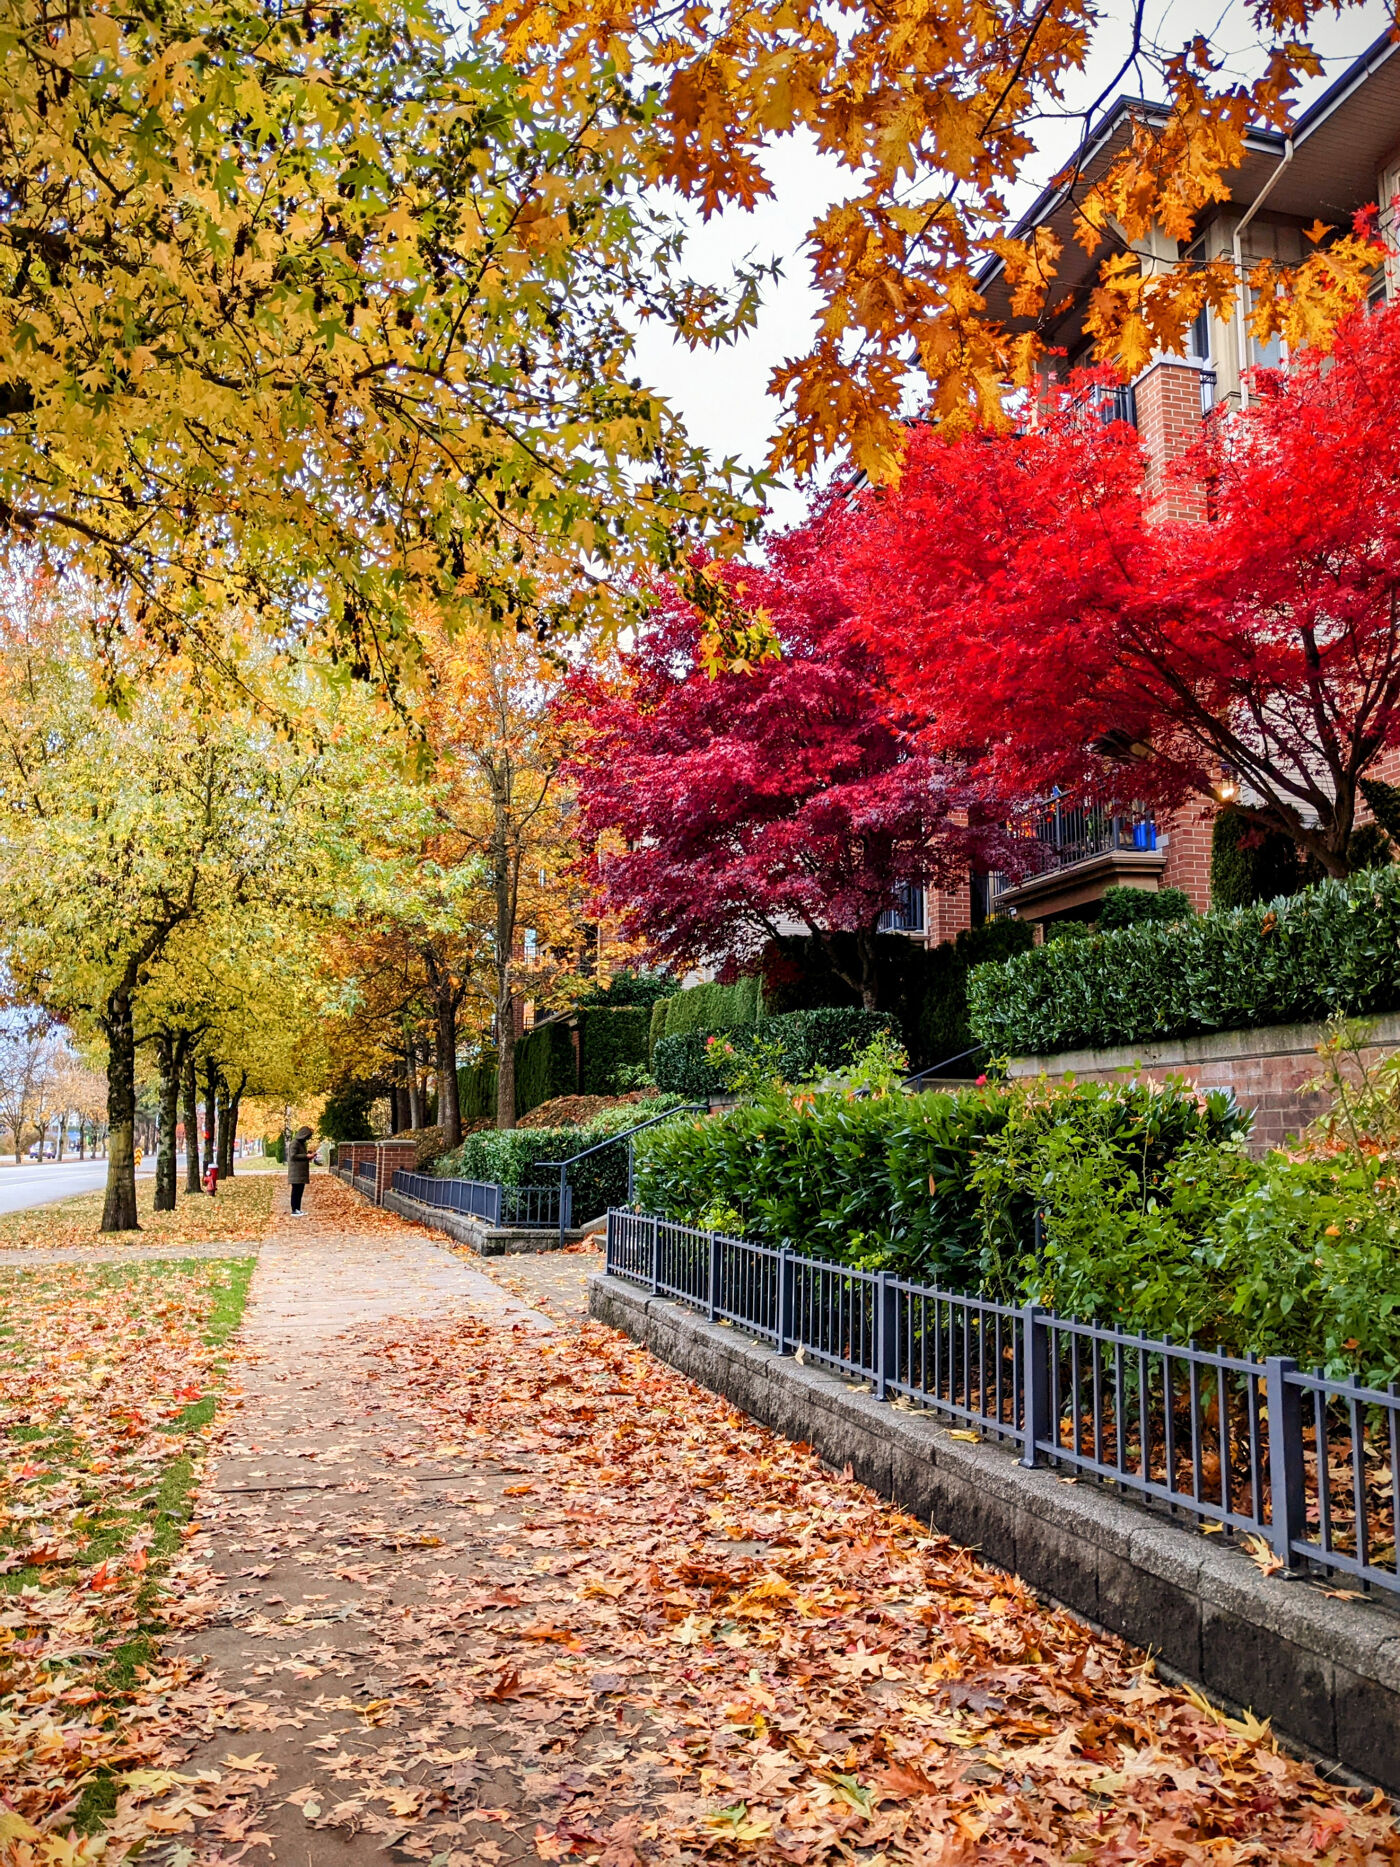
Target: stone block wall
[1266, 1069]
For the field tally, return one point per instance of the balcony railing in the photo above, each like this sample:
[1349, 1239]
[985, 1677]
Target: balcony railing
[1070, 832]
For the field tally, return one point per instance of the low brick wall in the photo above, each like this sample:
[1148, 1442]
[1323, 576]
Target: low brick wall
[1266, 1069]
[1327, 1672]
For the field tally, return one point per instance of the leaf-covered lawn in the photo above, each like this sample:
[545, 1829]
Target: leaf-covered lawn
[238, 1214]
[108, 1378]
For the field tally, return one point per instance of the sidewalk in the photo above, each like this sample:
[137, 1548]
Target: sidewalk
[493, 1589]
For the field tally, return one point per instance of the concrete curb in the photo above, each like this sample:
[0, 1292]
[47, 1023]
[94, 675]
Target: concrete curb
[487, 1239]
[1326, 1672]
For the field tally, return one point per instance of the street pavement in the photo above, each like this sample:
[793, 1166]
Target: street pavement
[33, 1184]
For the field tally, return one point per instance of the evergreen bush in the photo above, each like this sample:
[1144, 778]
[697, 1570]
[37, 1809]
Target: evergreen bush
[1334, 948]
[612, 1038]
[518, 1156]
[1126, 907]
[714, 1007]
[545, 1066]
[814, 1042]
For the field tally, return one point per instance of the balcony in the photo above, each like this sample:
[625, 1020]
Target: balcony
[1082, 849]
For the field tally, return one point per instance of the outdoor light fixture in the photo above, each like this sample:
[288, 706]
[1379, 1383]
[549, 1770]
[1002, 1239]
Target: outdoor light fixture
[1226, 788]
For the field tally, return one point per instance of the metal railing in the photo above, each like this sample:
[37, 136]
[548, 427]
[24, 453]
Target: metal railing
[1070, 832]
[561, 1167]
[1239, 1444]
[527, 1208]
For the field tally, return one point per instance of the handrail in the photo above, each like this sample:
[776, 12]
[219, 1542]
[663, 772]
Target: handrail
[919, 1075]
[686, 1108]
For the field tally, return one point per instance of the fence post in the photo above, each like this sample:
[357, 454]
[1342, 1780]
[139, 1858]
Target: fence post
[563, 1192]
[1035, 1381]
[886, 1335]
[655, 1254]
[631, 1178]
[608, 1245]
[784, 1299]
[713, 1288]
[1287, 1500]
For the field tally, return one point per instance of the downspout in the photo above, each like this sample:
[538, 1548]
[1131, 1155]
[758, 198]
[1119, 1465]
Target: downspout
[1241, 320]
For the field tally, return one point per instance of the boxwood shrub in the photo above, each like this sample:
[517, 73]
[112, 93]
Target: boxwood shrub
[1333, 948]
[814, 1042]
[514, 1156]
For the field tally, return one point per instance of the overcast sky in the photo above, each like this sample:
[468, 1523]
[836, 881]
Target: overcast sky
[723, 395]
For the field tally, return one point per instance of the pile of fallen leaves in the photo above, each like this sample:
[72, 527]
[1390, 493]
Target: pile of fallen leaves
[107, 1377]
[574, 1111]
[238, 1214]
[711, 1647]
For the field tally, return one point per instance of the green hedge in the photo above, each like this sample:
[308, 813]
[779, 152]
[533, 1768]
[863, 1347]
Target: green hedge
[611, 1038]
[1332, 948]
[715, 1008]
[633, 988]
[545, 1066]
[814, 1042]
[656, 1030]
[888, 1181]
[514, 1156]
[476, 1089]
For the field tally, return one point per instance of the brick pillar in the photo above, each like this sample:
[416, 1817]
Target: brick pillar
[947, 911]
[1188, 853]
[392, 1157]
[1169, 420]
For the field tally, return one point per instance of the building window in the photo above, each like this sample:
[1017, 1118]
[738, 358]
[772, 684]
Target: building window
[907, 915]
[532, 944]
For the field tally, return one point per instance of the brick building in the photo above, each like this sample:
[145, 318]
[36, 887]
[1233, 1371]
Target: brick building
[1344, 154]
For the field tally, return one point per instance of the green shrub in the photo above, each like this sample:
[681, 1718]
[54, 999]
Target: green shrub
[1333, 948]
[814, 1042]
[1126, 907]
[888, 1180]
[346, 1114]
[545, 1067]
[713, 1007]
[1249, 865]
[656, 1030]
[518, 1156]
[476, 1089]
[612, 1038]
[936, 1027]
[633, 988]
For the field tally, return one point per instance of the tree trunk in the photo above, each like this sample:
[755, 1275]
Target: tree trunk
[62, 1131]
[228, 1127]
[191, 1087]
[222, 1149]
[505, 1060]
[211, 1099]
[449, 1113]
[415, 1089]
[119, 1208]
[170, 1056]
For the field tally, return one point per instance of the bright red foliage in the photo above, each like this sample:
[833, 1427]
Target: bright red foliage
[791, 796]
[1031, 603]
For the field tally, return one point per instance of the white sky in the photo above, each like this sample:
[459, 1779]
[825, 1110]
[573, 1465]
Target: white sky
[723, 395]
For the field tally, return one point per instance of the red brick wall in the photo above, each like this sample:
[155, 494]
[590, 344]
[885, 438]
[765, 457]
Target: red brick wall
[1265, 1069]
[947, 912]
[1188, 854]
[1169, 420]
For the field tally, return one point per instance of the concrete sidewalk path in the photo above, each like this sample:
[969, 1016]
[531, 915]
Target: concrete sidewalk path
[328, 1526]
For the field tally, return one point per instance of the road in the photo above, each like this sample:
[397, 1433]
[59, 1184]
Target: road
[36, 1185]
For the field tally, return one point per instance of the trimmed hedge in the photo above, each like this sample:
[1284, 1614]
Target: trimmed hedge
[611, 1038]
[715, 1007]
[633, 988]
[513, 1156]
[545, 1066]
[476, 1090]
[887, 1181]
[814, 1042]
[656, 1030]
[1332, 948]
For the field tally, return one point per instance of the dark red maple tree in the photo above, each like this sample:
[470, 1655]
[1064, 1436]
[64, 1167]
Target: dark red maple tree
[750, 805]
[1033, 605]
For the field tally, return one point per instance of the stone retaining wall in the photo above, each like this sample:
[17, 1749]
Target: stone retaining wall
[1327, 1672]
[1266, 1069]
[489, 1240]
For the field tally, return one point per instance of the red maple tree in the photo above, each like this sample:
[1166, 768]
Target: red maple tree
[1031, 602]
[753, 805]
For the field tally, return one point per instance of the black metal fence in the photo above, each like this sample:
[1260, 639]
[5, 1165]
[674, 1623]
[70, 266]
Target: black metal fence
[526, 1208]
[1247, 1445]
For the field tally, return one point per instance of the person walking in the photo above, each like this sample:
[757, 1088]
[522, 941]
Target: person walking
[298, 1167]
